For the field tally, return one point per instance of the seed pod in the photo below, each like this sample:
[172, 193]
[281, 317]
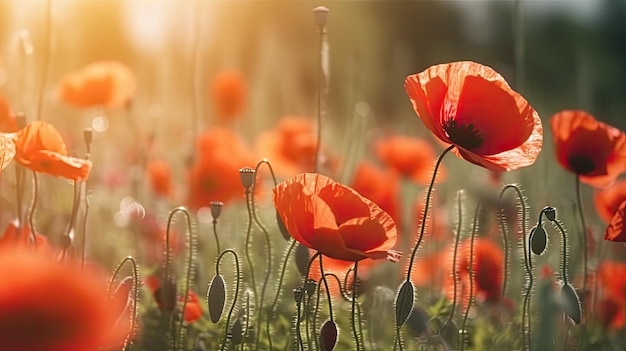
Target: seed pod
[538, 240]
[571, 303]
[216, 298]
[236, 332]
[328, 336]
[550, 213]
[404, 302]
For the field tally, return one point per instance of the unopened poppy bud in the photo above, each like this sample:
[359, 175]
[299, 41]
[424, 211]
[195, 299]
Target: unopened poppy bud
[550, 213]
[247, 176]
[320, 14]
[216, 297]
[328, 335]
[570, 302]
[87, 136]
[404, 302]
[216, 209]
[538, 240]
[236, 332]
[20, 118]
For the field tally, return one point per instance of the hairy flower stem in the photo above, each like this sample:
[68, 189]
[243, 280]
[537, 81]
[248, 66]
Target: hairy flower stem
[426, 208]
[134, 300]
[459, 227]
[19, 193]
[583, 222]
[278, 288]
[299, 302]
[237, 281]
[31, 211]
[268, 267]
[247, 244]
[355, 331]
[189, 272]
[526, 322]
[321, 98]
[463, 332]
[217, 239]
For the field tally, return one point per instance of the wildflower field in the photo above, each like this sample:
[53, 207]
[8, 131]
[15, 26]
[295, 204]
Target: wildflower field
[252, 175]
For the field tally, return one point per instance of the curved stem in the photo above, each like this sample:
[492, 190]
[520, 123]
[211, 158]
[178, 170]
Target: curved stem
[237, 279]
[526, 329]
[426, 208]
[280, 283]
[166, 268]
[330, 305]
[135, 311]
[299, 302]
[558, 224]
[471, 280]
[190, 258]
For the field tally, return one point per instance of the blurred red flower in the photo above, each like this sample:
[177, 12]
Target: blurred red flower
[290, 146]
[595, 151]
[19, 237]
[380, 186]
[488, 269]
[472, 107]
[616, 231]
[99, 84]
[411, 157]
[50, 306]
[229, 92]
[608, 200]
[40, 147]
[611, 293]
[193, 309]
[160, 178]
[8, 123]
[334, 219]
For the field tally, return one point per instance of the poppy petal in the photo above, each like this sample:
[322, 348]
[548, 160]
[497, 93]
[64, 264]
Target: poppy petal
[344, 202]
[616, 230]
[58, 165]
[329, 242]
[362, 234]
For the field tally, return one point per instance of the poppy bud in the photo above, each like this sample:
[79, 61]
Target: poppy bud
[321, 16]
[247, 176]
[550, 213]
[236, 332]
[404, 302]
[297, 294]
[328, 335]
[571, 303]
[538, 240]
[310, 286]
[216, 209]
[216, 298]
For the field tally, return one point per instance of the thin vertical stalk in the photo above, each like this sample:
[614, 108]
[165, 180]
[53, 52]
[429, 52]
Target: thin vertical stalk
[299, 302]
[46, 61]
[321, 95]
[278, 288]
[459, 227]
[471, 280]
[355, 331]
[135, 299]
[247, 243]
[579, 203]
[31, 211]
[426, 208]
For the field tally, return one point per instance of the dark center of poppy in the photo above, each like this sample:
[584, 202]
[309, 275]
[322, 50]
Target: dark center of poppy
[581, 164]
[465, 136]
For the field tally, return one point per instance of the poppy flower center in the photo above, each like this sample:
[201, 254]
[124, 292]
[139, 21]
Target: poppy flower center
[581, 164]
[465, 136]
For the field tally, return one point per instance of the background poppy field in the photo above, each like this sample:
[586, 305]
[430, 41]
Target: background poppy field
[167, 125]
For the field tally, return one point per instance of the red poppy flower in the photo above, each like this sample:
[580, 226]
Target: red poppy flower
[160, 177]
[7, 150]
[99, 84]
[607, 200]
[290, 146]
[595, 151]
[40, 148]
[215, 180]
[411, 157]
[334, 219]
[611, 293]
[45, 307]
[379, 186]
[616, 231]
[8, 123]
[472, 107]
[229, 92]
[488, 269]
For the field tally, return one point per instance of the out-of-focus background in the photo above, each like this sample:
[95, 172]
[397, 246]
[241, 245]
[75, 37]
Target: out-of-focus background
[561, 54]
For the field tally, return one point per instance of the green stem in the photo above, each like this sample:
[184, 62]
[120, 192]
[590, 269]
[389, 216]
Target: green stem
[426, 208]
[31, 211]
[135, 300]
[463, 332]
[330, 305]
[299, 302]
[355, 331]
[237, 281]
[278, 288]
[584, 234]
[247, 244]
[459, 204]
[217, 239]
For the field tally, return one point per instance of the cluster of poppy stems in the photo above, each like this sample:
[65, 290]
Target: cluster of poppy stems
[467, 106]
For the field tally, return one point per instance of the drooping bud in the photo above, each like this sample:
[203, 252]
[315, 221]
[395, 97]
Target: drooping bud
[550, 213]
[404, 302]
[538, 240]
[328, 335]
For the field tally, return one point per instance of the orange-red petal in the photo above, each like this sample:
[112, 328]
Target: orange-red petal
[616, 230]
